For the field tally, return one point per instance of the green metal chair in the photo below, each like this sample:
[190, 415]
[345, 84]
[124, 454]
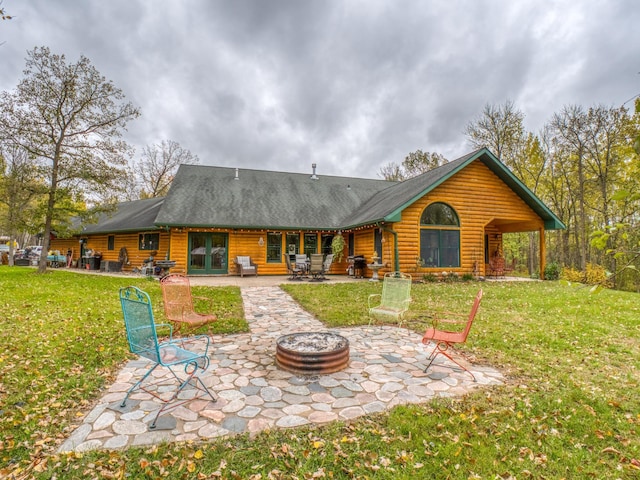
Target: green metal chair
[171, 354]
[393, 301]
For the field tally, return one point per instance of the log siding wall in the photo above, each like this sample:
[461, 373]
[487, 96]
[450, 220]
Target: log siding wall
[484, 205]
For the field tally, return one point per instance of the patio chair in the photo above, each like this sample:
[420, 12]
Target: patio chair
[301, 263]
[316, 267]
[294, 272]
[394, 300]
[178, 304]
[445, 339]
[496, 267]
[244, 266]
[185, 354]
[326, 266]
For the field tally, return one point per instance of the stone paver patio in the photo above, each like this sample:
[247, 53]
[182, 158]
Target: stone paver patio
[385, 369]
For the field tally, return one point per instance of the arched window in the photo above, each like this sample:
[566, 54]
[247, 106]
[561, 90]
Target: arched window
[440, 236]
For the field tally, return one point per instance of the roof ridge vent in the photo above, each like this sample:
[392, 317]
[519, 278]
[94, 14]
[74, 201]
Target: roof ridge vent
[314, 176]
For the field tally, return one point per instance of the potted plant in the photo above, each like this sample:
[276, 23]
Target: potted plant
[337, 247]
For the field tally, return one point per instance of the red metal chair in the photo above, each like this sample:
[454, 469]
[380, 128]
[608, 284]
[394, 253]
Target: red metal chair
[496, 267]
[444, 339]
[178, 304]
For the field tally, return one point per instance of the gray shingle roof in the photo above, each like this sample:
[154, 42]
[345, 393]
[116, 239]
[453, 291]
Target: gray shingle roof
[203, 196]
[206, 196]
[386, 202]
[129, 216]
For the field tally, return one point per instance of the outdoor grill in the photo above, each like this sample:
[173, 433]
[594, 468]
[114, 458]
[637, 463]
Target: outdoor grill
[359, 264]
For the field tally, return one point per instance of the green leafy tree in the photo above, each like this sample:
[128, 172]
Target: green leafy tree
[20, 187]
[594, 154]
[69, 119]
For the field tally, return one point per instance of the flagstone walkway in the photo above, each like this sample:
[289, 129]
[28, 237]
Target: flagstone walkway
[385, 369]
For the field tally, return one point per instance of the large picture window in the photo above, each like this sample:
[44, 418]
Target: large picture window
[440, 236]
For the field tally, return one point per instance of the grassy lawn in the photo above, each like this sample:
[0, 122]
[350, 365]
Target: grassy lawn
[570, 408]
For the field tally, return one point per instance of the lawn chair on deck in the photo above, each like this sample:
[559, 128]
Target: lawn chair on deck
[301, 263]
[295, 273]
[170, 354]
[444, 339]
[394, 300]
[316, 267]
[178, 304]
[496, 267]
[244, 266]
[326, 266]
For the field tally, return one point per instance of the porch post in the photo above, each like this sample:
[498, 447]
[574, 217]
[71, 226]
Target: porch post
[543, 253]
[396, 262]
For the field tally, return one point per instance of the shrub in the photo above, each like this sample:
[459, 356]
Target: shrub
[572, 275]
[596, 275]
[593, 275]
[449, 277]
[429, 277]
[467, 277]
[552, 271]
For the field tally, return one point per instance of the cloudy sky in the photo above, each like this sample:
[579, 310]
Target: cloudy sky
[349, 85]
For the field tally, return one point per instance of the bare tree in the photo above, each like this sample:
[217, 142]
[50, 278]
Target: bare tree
[3, 14]
[413, 164]
[69, 120]
[500, 128]
[159, 165]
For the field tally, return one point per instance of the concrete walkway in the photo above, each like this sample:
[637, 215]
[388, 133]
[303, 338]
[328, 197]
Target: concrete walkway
[385, 369]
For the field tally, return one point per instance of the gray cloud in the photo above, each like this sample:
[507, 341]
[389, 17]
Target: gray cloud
[348, 85]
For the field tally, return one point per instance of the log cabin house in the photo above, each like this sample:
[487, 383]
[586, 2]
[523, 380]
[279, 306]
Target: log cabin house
[448, 219]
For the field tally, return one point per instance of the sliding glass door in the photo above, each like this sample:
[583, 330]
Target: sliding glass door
[208, 253]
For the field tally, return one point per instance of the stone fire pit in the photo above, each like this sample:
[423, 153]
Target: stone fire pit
[312, 353]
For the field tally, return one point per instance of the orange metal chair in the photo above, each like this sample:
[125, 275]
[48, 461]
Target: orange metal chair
[444, 339]
[178, 304]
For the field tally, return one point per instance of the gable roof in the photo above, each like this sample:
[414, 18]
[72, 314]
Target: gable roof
[387, 205]
[131, 216]
[202, 196]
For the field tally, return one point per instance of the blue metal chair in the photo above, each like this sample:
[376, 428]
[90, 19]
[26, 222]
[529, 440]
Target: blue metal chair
[143, 341]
